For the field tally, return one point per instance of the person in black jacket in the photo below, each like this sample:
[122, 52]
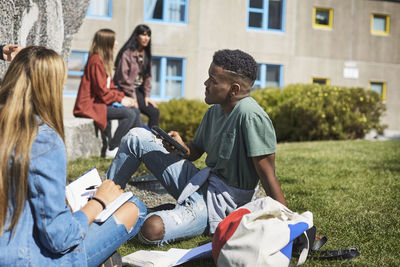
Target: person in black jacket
[8, 52]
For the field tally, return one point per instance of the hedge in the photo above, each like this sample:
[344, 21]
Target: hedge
[299, 112]
[305, 112]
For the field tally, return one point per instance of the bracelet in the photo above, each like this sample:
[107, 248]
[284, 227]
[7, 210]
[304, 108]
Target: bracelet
[100, 201]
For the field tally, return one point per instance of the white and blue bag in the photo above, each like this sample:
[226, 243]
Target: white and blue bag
[260, 233]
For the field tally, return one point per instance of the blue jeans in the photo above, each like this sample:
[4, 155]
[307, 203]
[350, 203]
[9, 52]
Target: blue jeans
[104, 238]
[139, 145]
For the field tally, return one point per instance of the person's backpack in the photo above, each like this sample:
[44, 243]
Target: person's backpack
[266, 233]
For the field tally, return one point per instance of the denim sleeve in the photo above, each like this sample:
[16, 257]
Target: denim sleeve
[58, 228]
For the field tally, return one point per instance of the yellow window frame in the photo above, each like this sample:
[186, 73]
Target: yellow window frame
[383, 88]
[387, 18]
[326, 80]
[316, 25]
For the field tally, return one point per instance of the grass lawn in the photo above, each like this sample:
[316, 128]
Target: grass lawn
[352, 188]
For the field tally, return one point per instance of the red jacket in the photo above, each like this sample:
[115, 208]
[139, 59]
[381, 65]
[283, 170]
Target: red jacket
[93, 95]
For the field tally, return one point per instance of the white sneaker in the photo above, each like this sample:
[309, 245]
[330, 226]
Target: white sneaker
[111, 153]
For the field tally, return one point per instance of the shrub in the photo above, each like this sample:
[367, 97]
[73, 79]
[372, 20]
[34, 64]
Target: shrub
[183, 116]
[304, 112]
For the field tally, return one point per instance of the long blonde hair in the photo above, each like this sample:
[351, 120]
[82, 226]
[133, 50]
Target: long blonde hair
[31, 88]
[103, 45]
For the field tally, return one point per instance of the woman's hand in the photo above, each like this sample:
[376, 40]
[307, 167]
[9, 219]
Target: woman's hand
[108, 191]
[129, 102]
[10, 51]
[148, 101]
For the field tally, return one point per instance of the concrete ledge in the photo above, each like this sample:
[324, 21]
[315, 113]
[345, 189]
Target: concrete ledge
[80, 138]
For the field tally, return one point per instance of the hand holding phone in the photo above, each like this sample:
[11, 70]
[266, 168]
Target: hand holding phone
[166, 137]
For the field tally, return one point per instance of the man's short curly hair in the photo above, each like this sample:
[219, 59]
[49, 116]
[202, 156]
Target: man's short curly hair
[238, 62]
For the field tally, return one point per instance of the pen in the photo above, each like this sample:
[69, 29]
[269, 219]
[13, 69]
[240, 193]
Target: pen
[92, 187]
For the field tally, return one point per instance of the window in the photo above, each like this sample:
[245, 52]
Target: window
[379, 87]
[380, 24]
[76, 65]
[322, 81]
[100, 9]
[266, 15]
[168, 77]
[268, 76]
[166, 10]
[323, 18]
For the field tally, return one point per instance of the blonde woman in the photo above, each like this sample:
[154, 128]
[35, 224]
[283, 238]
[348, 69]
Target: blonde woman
[98, 98]
[37, 227]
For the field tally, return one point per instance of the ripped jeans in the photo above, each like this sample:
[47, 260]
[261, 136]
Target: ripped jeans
[140, 145]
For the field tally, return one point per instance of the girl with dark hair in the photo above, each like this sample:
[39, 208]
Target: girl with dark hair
[133, 72]
[99, 99]
[37, 228]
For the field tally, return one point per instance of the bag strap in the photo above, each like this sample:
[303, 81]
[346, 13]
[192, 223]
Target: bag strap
[342, 254]
[303, 243]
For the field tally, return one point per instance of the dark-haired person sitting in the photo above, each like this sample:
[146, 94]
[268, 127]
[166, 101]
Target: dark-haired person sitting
[239, 139]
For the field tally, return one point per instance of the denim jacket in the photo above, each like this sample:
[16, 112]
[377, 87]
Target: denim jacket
[47, 233]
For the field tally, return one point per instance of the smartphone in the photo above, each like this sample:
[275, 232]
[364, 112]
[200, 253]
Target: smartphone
[164, 136]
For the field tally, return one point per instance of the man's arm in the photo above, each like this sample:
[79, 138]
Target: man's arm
[194, 153]
[265, 167]
[1, 52]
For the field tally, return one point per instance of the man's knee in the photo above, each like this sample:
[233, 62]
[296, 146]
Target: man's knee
[153, 228]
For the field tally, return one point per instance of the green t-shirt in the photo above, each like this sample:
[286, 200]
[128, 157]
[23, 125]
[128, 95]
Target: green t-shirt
[230, 140]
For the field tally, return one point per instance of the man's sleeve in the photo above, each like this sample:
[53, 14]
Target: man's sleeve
[1, 52]
[260, 136]
[198, 140]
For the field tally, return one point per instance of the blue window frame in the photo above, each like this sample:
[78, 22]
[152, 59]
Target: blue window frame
[172, 11]
[168, 77]
[267, 15]
[100, 9]
[76, 65]
[269, 75]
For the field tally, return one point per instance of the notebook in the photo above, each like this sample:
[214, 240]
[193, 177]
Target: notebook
[79, 191]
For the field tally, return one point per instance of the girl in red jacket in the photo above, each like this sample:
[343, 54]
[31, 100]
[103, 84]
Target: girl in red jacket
[99, 99]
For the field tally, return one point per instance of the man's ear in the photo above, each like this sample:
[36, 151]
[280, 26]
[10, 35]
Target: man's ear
[235, 89]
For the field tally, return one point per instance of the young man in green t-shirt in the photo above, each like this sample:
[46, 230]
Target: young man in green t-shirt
[240, 143]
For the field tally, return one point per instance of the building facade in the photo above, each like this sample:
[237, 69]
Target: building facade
[338, 42]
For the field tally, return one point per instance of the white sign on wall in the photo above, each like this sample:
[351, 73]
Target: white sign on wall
[350, 70]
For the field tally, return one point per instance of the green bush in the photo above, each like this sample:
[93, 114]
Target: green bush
[183, 116]
[302, 112]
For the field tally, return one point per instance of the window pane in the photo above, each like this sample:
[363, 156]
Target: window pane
[320, 81]
[174, 67]
[322, 17]
[379, 23]
[255, 19]
[256, 3]
[173, 89]
[99, 8]
[377, 87]
[155, 73]
[273, 74]
[176, 12]
[275, 14]
[77, 61]
[154, 9]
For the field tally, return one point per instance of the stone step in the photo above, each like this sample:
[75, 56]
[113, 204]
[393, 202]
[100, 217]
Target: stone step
[80, 138]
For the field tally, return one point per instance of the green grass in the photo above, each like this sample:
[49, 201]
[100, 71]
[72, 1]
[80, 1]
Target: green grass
[352, 188]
